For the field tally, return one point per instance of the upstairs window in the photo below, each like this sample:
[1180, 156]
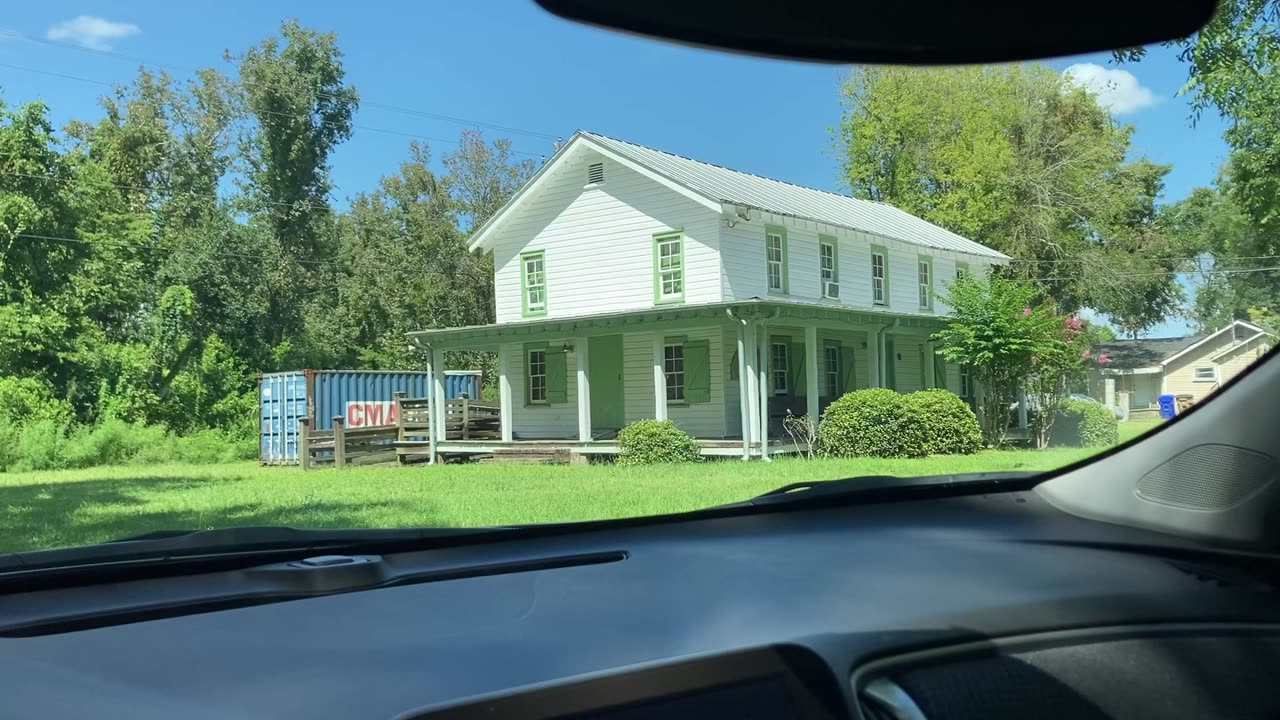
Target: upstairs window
[879, 281]
[775, 250]
[533, 283]
[924, 267]
[827, 262]
[1207, 373]
[668, 268]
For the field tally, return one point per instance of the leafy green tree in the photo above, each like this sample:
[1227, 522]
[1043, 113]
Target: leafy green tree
[295, 92]
[1022, 160]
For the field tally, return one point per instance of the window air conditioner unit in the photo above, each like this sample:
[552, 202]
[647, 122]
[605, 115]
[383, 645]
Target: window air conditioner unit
[831, 290]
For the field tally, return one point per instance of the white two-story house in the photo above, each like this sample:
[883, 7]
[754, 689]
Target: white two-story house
[633, 283]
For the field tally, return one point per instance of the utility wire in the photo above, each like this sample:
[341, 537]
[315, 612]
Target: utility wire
[353, 126]
[179, 68]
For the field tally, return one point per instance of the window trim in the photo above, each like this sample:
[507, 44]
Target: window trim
[658, 239]
[924, 261]
[785, 343]
[835, 264]
[528, 375]
[962, 269]
[525, 311]
[884, 279]
[782, 233]
[1195, 374]
[680, 342]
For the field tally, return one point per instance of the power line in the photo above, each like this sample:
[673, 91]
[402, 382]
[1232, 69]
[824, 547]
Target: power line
[376, 105]
[353, 126]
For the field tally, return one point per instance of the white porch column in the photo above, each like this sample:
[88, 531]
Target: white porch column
[1109, 391]
[751, 430]
[764, 388]
[744, 397]
[659, 379]
[811, 372]
[432, 372]
[504, 395]
[584, 392]
[437, 394]
[1022, 408]
[873, 357]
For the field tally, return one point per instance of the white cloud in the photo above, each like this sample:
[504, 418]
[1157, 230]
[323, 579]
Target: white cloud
[91, 32]
[1116, 89]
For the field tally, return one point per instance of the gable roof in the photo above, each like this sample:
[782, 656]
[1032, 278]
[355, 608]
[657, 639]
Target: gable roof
[716, 185]
[1149, 352]
[1145, 352]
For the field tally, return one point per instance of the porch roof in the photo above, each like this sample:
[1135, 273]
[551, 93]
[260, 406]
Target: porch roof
[482, 336]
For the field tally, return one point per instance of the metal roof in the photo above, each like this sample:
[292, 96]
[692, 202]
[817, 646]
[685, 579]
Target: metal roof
[738, 188]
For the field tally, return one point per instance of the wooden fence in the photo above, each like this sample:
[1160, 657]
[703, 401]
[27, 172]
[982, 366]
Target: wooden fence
[464, 419]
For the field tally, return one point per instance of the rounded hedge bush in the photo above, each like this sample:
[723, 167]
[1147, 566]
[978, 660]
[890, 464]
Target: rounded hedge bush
[646, 442]
[872, 422]
[1084, 423]
[950, 427]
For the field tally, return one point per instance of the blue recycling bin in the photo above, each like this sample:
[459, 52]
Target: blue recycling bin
[1167, 408]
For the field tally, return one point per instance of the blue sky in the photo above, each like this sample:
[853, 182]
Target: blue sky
[509, 63]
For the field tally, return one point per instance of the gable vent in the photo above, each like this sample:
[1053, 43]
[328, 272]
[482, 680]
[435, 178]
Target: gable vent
[595, 173]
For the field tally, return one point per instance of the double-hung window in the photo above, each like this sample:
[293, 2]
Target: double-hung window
[775, 249]
[533, 283]
[924, 273]
[1205, 373]
[779, 367]
[537, 365]
[831, 369]
[879, 282]
[673, 367]
[668, 268]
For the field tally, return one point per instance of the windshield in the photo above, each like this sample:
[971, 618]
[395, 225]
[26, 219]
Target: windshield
[452, 266]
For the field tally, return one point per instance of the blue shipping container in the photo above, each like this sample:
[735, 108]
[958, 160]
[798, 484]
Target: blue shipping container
[364, 398]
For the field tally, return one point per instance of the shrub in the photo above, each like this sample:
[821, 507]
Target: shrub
[949, 426]
[645, 442]
[872, 422]
[24, 400]
[112, 442]
[42, 445]
[1085, 423]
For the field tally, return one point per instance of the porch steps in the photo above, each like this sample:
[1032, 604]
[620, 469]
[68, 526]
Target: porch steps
[529, 456]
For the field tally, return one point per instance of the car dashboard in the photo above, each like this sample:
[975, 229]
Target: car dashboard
[982, 606]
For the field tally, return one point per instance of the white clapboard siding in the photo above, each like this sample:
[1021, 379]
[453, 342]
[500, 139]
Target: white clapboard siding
[743, 260]
[535, 422]
[598, 242]
[704, 420]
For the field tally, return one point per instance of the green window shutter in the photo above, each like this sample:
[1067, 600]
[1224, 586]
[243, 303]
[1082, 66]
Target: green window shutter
[848, 373]
[939, 372]
[697, 371]
[798, 383]
[557, 376]
[890, 365]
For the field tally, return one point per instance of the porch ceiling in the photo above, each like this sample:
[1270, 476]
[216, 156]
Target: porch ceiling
[480, 337]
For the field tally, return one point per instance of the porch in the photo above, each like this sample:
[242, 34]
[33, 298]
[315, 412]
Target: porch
[726, 373]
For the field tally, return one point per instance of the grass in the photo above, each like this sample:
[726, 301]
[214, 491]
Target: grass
[75, 507]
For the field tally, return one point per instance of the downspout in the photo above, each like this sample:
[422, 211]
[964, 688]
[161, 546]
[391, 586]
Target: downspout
[763, 362]
[880, 351]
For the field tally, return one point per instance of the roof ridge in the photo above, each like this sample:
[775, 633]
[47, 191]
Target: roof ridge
[744, 172]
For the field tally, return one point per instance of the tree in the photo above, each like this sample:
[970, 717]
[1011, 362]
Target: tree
[1022, 160]
[996, 329]
[294, 90]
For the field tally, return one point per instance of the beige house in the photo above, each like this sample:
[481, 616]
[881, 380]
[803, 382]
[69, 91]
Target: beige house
[1193, 365]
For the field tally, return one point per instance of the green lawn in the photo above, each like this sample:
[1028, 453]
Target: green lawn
[74, 507]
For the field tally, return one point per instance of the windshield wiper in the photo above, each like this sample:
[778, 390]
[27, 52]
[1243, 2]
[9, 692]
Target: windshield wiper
[874, 488]
[178, 545]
